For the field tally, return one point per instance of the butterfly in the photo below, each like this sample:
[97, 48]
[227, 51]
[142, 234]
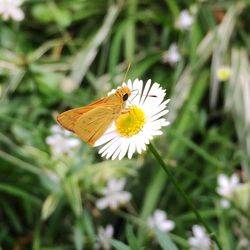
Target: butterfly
[90, 122]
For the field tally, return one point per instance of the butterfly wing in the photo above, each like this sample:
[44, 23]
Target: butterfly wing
[93, 124]
[69, 118]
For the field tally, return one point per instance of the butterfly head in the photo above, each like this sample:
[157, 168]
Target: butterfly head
[123, 92]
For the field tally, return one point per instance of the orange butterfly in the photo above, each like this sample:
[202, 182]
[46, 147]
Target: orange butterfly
[90, 122]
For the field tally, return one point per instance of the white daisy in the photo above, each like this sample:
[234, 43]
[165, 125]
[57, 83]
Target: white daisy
[135, 128]
[61, 141]
[199, 240]
[159, 221]
[184, 20]
[226, 187]
[104, 235]
[172, 55]
[114, 195]
[11, 9]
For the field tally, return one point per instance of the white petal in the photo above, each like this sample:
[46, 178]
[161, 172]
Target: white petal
[106, 146]
[156, 132]
[72, 143]
[131, 149]
[194, 242]
[106, 138]
[124, 149]
[158, 115]
[102, 203]
[223, 180]
[17, 14]
[115, 146]
[198, 231]
[156, 125]
[55, 129]
[167, 225]
[234, 180]
[113, 204]
[120, 184]
[109, 231]
[145, 91]
[129, 84]
[124, 197]
[160, 215]
[116, 153]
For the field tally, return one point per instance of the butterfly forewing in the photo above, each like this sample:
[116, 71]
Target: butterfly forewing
[69, 118]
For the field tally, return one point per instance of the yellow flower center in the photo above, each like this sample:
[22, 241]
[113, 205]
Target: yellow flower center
[130, 122]
[223, 74]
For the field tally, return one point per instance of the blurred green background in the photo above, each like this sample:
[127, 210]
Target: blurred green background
[66, 54]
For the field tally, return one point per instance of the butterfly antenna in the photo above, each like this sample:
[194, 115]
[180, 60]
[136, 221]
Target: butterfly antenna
[128, 68]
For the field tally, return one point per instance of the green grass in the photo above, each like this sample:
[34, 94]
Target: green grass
[66, 54]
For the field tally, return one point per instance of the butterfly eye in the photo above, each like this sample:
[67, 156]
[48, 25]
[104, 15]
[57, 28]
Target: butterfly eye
[125, 97]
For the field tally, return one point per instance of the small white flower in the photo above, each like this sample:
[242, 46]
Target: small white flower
[159, 221]
[114, 196]
[11, 9]
[184, 20]
[199, 240]
[223, 73]
[61, 141]
[226, 187]
[172, 55]
[134, 129]
[104, 235]
[225, 203]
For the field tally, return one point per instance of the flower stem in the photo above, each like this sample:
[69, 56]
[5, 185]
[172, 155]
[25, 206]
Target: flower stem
[182, 193]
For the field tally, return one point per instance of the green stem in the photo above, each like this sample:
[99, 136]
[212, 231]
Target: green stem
[182, 193]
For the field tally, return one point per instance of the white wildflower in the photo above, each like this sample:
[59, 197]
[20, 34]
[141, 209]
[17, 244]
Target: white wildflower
[159, 221]
[199, 240]
[11, 9]
[62, 141]
[114, 196]
[104, 235]
[226, 187]
[172, 55]
[184, 20]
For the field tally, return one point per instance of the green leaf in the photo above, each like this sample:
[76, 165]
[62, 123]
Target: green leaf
[7, 188]
[88, 225]
[165, 241]
[73, 193]
[119, 245]
[133, 243]
[84, 58]
[78, 236]
[50, 205]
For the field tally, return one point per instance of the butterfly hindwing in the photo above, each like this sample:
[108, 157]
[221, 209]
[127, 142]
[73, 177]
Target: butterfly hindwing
[93, 124]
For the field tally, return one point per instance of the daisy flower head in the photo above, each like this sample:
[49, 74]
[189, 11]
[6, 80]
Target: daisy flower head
[11, 9]
[143, 119]
[160, 221]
